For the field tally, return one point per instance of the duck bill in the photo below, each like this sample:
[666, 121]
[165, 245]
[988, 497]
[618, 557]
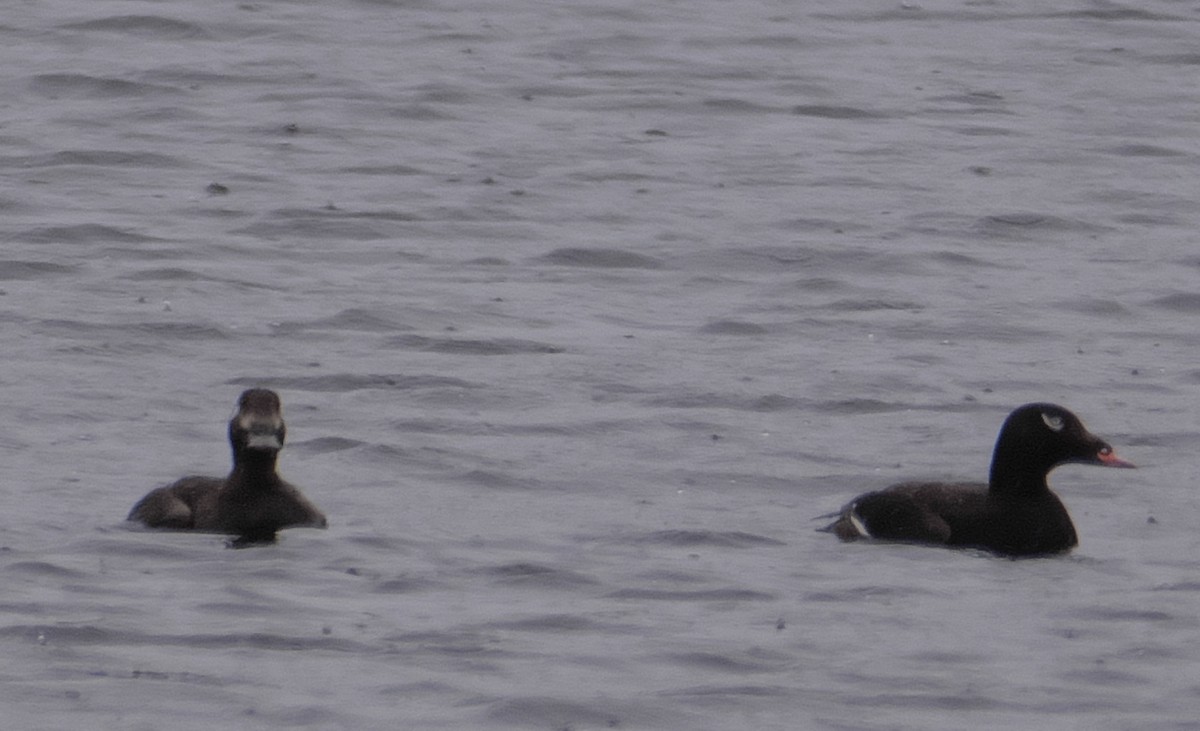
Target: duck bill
[268, 441]
[260, 431]
[1109, 458]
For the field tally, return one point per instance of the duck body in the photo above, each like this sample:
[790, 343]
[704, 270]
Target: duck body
[1015, 513]
[253, 502]
[959, 514]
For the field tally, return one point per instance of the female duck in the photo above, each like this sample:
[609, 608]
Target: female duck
[253, 502]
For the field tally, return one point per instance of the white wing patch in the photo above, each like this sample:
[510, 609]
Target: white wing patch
[857, 522]
[1054, 422]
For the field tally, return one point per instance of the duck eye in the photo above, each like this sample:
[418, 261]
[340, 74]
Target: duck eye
[1054, 422]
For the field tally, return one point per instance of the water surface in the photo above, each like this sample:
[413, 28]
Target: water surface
[580, 313]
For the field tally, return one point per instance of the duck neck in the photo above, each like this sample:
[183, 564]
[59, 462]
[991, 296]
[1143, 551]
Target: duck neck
[254, 463]
[1017, 473]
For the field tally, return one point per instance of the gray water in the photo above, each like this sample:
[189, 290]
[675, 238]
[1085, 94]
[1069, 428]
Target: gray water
[581, 312]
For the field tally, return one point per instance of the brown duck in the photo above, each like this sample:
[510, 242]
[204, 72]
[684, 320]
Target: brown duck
[253, 502]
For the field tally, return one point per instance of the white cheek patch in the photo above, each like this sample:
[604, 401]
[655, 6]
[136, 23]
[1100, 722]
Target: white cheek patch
[256, 436]
[1055, 423]
[263, 441]
[250, 421]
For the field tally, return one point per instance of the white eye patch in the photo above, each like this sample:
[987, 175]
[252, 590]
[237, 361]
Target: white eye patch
[1054, 422]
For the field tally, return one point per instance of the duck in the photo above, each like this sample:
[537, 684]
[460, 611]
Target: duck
[1014, 513]
[252, 503]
